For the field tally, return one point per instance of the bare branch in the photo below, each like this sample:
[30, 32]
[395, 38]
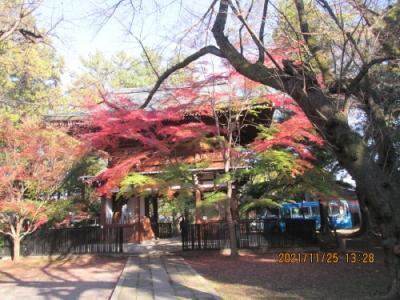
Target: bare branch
[258, 43]
[4, 34]
[147, 57]
[364, 71]
[328, 8]
[367, 13]
[257, 72]
[191, 58]
[262, 28]
[18, 26]
[241, 27]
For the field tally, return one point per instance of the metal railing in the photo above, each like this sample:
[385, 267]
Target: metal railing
[250, 234]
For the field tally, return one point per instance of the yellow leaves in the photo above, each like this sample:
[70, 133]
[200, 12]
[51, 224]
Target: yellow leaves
[28, 76]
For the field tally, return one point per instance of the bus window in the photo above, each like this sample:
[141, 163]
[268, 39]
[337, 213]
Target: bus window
[306, 211]
[273, 213]
[334, 209]
[296, 212]
[315, 211]
[341, 210]
[286, 213]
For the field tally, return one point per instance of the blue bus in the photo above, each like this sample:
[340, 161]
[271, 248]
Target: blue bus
[308, 210]
[339, 213]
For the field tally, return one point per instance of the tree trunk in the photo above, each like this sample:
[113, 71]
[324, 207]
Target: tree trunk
[231, 223]
[16, 248]
[382, 193]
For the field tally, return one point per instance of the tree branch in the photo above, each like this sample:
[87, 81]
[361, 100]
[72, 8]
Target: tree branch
[191, 58]
[364, 71]
[241, 27]
[258, 43]
[4, 34]
[368, 14]
[262, 28]
[311, 42]
[328, 8]
[257, 72]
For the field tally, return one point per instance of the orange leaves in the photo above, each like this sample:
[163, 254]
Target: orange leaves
[34, 159]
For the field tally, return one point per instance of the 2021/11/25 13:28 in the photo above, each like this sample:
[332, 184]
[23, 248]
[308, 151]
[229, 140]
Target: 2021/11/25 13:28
[325, 257]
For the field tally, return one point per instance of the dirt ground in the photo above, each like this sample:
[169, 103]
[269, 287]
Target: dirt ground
[75, 277]
[260, 276]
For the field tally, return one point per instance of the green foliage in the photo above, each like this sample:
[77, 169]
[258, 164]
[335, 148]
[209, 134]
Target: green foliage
[58, 210]
[182, 203]
[29, 77]
[213, 198]
[134, 183]
[223, 178]
[122, 71]
[177, 174]
[267, 132]
[252, 204]
[119, 71]
[273, 165]
[94, 208]
[90, 165]
[278, 175]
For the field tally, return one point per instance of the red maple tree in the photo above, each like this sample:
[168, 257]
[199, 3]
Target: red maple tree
[33, 162]
[182, 119]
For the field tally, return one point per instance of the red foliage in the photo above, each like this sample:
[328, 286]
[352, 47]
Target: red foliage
[148, 133]
[293, 132]
[164, 131]
[33, 163]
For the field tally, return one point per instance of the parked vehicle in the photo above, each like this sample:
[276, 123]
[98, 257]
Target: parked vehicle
[308, 210]
[339, 214]
[270, 217]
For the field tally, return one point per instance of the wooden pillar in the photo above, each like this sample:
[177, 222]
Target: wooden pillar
[147, 207]
[197, 198]
[136, 209]
[103, 208]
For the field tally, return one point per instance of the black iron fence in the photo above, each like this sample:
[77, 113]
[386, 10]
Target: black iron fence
[250, 234]
[81, 240]
[164, 230]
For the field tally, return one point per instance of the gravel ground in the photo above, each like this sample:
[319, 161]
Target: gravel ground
[75, 277]
[260, 276]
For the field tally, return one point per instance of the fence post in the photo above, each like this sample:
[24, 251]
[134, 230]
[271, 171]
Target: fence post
[192, 230]
[183, 229]
[121, 239]
[198, 235]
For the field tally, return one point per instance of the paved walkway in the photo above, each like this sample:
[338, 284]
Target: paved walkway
[161, 278]
[155, 247]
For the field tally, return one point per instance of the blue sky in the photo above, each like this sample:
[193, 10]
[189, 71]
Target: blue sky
[83, 30]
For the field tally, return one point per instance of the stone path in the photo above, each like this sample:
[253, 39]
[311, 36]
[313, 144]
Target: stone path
[155, 247]
[161, 278]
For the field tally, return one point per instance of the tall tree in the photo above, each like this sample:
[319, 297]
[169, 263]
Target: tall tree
[325, 85]
[33, 163]
[102, 74]
[30, 70]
